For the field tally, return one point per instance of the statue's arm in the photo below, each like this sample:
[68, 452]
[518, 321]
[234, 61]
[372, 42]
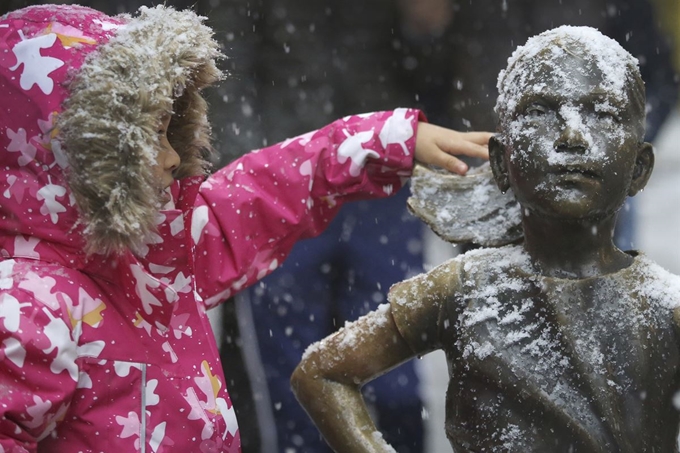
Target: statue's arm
[327, 381]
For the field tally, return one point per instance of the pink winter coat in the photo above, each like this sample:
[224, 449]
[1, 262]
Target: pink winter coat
[112, 350]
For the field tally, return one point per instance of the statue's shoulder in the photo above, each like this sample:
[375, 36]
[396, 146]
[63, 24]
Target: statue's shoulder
[654, 282]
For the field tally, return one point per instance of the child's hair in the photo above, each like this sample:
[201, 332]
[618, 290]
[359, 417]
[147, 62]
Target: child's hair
[619, 69]
[158, 62]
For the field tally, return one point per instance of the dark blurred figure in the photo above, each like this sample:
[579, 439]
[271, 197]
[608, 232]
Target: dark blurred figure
[295, 64]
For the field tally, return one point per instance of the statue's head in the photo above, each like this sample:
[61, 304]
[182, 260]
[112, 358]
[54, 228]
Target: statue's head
[571, 110]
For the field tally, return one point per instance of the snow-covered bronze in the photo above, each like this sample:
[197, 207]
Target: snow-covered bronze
[563, 343]
[465, 209]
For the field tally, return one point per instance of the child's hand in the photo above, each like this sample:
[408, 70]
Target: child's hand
[437, 146]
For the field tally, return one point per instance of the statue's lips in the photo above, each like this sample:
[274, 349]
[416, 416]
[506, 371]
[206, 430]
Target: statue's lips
[575, 172]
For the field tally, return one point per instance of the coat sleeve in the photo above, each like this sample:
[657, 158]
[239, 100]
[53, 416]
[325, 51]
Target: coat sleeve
[249, 215]
[39, 372]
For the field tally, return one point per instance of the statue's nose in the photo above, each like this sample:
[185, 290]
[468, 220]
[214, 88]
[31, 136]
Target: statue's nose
[572, 140]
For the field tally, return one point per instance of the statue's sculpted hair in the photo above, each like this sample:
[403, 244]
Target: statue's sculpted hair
[541, 53]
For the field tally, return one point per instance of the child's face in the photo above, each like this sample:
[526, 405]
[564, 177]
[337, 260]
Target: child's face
[167, 159]
[571, 141]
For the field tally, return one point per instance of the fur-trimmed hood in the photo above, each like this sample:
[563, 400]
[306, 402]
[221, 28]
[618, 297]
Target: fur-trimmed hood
[78, 134]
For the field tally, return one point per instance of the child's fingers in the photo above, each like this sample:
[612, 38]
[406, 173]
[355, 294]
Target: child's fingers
[437, 146]
[479, 137]
[465, 148]
[448, 162]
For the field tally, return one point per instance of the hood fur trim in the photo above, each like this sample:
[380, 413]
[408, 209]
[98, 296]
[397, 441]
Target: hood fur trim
[157, 62]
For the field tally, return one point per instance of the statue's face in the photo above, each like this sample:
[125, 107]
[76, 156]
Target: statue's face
[571, 141]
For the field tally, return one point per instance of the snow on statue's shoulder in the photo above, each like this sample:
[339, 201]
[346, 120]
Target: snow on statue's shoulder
[658, 284]
[353, 331]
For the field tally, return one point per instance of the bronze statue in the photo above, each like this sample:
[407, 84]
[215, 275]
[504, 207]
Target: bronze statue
[559, 342]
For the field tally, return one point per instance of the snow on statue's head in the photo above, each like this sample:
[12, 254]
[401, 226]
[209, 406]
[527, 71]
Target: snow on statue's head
[571, 110]
[558, 60]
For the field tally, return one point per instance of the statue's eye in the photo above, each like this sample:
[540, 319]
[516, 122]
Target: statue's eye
[608, 115]
[535, 110]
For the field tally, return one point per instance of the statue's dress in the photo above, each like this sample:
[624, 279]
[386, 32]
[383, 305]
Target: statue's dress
[541, 364]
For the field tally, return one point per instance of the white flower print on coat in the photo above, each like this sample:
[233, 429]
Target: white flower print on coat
[35, 67]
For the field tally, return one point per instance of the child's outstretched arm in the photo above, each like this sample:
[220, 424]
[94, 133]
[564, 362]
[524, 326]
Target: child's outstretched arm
[327, 381]
[248, 215]
[438, 146]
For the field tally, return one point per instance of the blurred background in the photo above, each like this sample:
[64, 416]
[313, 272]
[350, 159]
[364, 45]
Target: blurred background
[296, 65]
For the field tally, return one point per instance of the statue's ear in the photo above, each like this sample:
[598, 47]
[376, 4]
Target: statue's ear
[497, 162]
[644, 164]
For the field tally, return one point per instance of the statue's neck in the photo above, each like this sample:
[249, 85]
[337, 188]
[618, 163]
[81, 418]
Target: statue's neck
[578, 249]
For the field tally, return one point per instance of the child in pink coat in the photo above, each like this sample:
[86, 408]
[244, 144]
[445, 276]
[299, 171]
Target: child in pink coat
[114, 241]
